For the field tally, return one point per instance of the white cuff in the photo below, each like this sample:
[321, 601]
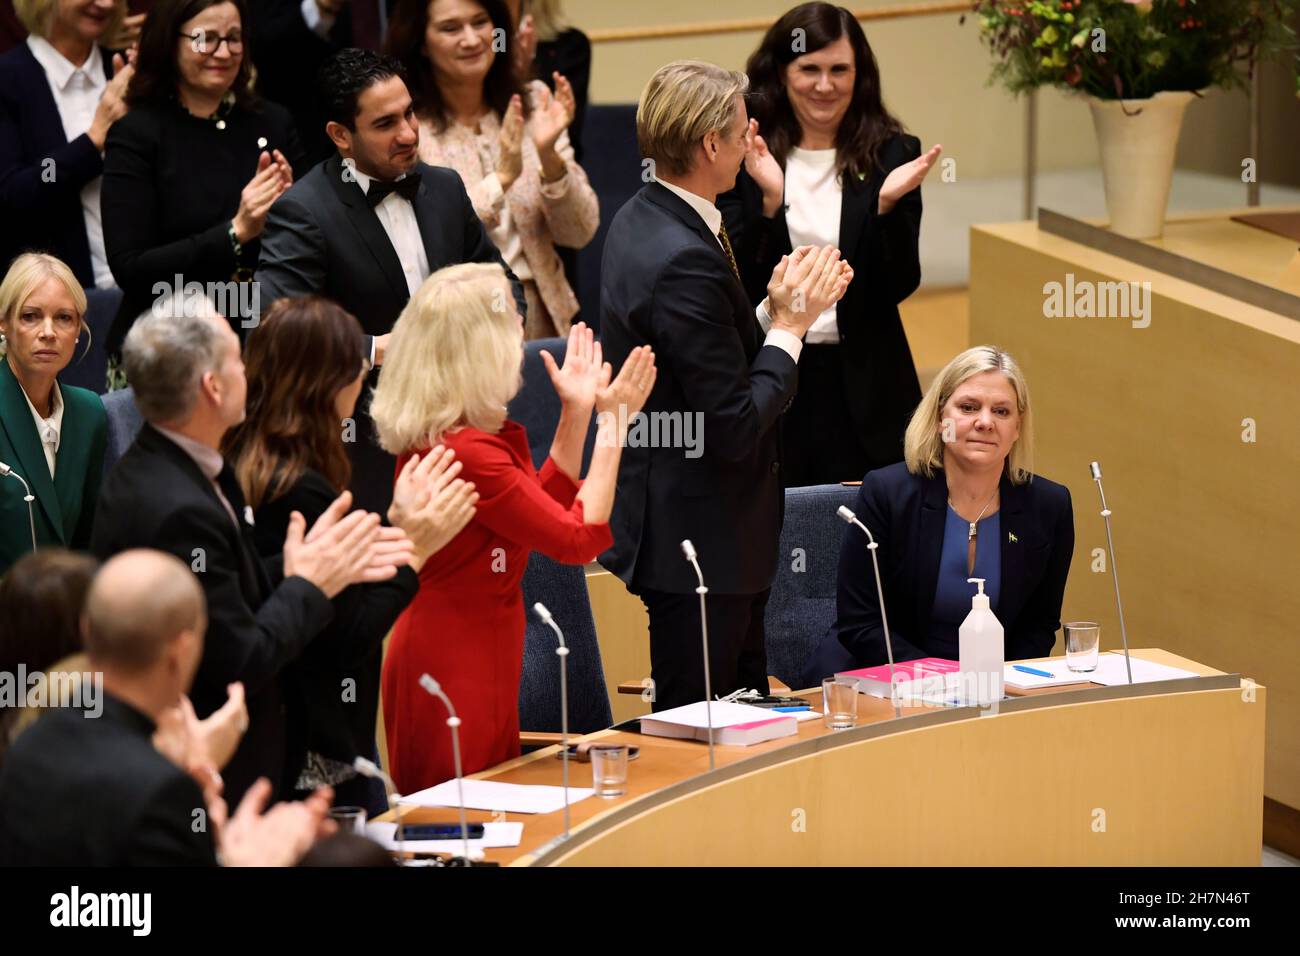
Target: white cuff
[372, 351]
[316, 22]
[787, 342]
[764, 318]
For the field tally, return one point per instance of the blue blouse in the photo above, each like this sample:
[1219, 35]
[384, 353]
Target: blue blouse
[952, 593]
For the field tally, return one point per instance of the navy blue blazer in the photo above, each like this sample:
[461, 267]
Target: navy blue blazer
[45, 198]
[665, 281]
[906, 513]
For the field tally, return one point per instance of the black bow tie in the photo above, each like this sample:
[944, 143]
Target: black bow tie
[406, 187]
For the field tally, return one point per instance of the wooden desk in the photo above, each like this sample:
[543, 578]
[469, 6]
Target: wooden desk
[1173, 773]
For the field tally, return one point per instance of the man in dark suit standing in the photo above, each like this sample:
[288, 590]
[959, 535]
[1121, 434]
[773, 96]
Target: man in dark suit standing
[368, 225]
[293, 39]
[172, 491]
[86, 785]
[669, 280]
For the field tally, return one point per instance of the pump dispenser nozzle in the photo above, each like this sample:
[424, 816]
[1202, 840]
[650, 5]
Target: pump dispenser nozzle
[980, 599]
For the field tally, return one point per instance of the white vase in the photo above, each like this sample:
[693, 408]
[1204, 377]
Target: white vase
[1138, 140]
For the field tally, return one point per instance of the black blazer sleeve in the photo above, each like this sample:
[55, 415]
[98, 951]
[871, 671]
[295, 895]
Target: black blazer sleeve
[94, 475]
[294, 253]
[694, 322]
[242, 645]
[165, 834]
[895, 236]
[1034, 632]
[857, 607]
[26, 185]
[130, 204]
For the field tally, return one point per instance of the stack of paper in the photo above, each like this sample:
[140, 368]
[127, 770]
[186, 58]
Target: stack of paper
[490, 795]
[733, 724]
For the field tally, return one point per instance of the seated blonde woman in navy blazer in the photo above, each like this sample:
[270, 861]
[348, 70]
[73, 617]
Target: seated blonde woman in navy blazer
[51, 435]
[962, 504]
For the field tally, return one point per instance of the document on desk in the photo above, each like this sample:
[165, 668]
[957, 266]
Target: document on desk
[1111, 671]
[1058, 672]
[494, 835]
[491, 795]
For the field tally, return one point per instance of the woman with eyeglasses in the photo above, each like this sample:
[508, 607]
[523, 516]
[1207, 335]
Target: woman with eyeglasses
[191, 171]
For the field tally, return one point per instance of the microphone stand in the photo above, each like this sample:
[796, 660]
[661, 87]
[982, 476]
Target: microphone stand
[1095, 468]
[7, 472]
[433, 688]
[688, 550]
[846, 514]
[563, 653]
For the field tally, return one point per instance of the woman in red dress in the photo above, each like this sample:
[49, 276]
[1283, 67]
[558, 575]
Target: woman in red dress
[452, 364]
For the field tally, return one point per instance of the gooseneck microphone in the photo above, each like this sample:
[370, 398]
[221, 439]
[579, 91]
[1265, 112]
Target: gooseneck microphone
[7, 472]
[1095, 469]
[563, 652]
[846, 514]
[434, 689]
[688, 550]
[368, 768]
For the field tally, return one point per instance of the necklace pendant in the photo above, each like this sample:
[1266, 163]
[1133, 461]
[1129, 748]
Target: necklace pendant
[221, 124]
[973, 532]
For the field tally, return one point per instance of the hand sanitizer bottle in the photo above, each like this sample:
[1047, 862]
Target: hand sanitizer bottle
[982, 651]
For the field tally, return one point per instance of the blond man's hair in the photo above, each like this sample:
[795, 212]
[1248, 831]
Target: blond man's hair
[923, 443]
[455, 359]
[38, 17]
[684, 102]
[32, 269]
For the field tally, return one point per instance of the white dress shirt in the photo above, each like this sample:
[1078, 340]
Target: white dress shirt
[49, 428]
[77, 90]
[813, 194]
[789, 343]
[397, 216]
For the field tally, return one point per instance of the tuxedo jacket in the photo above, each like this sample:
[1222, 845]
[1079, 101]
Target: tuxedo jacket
[258, 621]
[80, 790]
[666, 282]
[907, 513]
[65, 504]
[323, 238]
[881, 389]
[44, 198]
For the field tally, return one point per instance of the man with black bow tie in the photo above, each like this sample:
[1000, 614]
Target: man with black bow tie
[367, 226]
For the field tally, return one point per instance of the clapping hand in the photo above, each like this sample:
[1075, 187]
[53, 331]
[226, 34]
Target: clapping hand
[274, 175]
[430, 504]
[764, 170]
[805, 284]
[552, 114]
[279, 836]
[903, 179]
[576, 383]
[627, 394]
[510, 142]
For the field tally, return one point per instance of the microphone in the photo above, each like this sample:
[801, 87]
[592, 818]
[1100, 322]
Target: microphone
[563, 652]
[434, 689]
[846, 514]
[368, 768]
[1095, 469]
[688, 550]
[7, 472]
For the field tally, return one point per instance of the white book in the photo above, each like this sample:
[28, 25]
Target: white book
[733, 724]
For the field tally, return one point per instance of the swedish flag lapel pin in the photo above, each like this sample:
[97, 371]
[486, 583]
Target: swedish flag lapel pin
[1012, 538]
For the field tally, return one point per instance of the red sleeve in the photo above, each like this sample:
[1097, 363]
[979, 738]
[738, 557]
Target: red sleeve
[557, 484]
[514, 504]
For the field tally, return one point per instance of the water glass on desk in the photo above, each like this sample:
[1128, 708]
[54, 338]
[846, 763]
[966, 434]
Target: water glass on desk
[350, 819]
[1082, 639]
[839, 702]
[609, 769]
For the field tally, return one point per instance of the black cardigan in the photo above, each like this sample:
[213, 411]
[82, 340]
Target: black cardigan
[881, 389]
[320, 718]
[172, 183]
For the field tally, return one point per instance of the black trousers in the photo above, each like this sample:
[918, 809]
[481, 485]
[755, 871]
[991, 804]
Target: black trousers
[819, 441]
[737, 654]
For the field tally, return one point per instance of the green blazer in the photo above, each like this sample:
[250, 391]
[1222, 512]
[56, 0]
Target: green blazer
[64, 509]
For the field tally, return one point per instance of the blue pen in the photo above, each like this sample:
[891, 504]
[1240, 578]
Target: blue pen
[1030, 670]
[791, 710]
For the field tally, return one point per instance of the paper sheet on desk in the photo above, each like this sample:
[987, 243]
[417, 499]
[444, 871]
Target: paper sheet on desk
[1111, 671]
[494, 835]
[490, 795]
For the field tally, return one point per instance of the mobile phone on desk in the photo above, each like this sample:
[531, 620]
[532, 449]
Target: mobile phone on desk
[437, 831]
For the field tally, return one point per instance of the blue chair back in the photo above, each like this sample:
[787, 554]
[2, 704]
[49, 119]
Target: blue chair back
[537, 407]
[614, 171]
[124, 423]
[89, 367]
[563, 589]
[801, 609]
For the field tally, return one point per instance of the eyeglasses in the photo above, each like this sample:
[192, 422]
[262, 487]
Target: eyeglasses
[208, 42]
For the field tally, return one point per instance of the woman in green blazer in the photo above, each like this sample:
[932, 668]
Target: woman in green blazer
[52, 435]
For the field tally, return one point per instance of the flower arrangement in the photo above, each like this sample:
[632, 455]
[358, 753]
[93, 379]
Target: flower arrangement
[1133, 49]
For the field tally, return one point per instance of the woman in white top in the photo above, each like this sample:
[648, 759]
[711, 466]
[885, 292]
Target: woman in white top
[507, 140]
[833, 166]
[59, 94]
